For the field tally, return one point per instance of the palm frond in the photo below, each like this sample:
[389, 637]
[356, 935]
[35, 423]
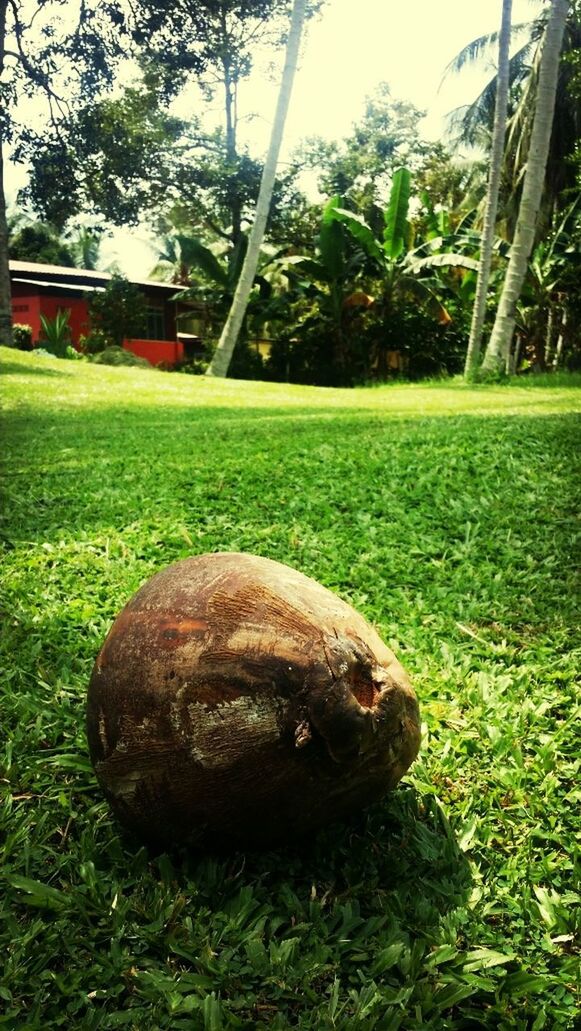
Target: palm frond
[481, 47]
[465, 122]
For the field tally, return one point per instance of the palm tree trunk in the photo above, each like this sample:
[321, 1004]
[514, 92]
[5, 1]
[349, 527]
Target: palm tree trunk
[496, 156]
[549, 336]
[227, 343]
[5, 291]
[560, 341]
[500, 340]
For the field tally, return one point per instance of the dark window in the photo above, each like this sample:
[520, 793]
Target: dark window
[155, 324]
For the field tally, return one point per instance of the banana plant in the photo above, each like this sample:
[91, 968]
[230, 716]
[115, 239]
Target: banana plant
[324, 286]
[397, 265]
[401, 271]
[553, 268]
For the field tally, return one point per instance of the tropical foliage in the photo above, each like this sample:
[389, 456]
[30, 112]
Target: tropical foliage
[377, 278]
[119, 311]
[362, 299]
[55, 336]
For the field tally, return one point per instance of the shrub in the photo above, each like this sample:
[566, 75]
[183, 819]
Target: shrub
[72, 353]
[119, 356]
[95, 341]
[56, 333]
[246, 362]
[22, 336]
[192, 367]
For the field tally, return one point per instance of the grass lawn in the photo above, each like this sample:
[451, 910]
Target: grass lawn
[448, 516]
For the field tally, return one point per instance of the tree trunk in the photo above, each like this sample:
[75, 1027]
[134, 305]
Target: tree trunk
[499, 343]
[230, 111]
[225, 349]
[560, 341]
[549, 336]
[496, 157]
[5, 291]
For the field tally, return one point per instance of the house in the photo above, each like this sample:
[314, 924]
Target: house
[173, 328]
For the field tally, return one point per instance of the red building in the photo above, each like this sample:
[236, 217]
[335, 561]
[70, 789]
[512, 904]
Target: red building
[47, 289]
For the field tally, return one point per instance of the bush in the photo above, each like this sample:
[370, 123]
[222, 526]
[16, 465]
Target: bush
[95, 341]
[191, 366]
[316, 354]
[246, 363]
[22, 336]
[72, 354]
[119, 356]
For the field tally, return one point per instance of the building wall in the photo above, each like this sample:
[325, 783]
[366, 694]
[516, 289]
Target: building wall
[26, 310]
[156, 351]
[79, 317]
[28, 307]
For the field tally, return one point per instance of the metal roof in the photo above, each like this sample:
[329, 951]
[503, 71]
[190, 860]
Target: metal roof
[63, 272]
[57, 285]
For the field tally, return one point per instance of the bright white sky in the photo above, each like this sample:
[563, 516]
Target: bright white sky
[349, 50]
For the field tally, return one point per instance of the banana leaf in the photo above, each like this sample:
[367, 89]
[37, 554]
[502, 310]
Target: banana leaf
[442, 261]
[361, 232]
[396, 225]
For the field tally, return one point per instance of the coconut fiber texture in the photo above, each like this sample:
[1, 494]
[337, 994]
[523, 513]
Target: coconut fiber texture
[236, 701]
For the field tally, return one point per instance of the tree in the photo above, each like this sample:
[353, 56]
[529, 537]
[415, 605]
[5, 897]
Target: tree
[227, 342]
[43, 53]
[475, 121]
[112, 158]
[360, 167]
[217, 41]
[5, 290]
[488, 227]
[551, 293]
[40, 243]
[401, 269]
[119, 311]
[358, 296]
[499, 344]
[85, 247]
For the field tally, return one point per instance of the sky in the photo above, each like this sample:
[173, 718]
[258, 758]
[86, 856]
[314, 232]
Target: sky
[352, 47]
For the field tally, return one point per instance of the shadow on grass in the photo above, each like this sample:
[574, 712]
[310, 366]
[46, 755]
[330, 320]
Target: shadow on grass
[402, 850]
[400, 858]
[13, 369]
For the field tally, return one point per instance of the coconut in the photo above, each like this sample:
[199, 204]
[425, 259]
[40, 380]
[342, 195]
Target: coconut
[238, 702]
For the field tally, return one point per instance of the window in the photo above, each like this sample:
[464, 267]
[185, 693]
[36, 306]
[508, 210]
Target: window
[155, 323]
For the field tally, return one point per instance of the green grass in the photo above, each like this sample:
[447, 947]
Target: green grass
[448, 516]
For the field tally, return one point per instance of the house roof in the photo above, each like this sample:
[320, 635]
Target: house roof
[61, 286]
[72, 278]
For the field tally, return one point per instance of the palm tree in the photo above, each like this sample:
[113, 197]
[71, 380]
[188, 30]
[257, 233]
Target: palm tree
[227, 342]
[5, 288]
[474, 121]
[179, 253]
[488, 227]
[499, 344]
[85, 247]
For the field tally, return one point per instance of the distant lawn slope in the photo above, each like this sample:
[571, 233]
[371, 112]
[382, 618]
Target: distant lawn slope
[449, 517]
